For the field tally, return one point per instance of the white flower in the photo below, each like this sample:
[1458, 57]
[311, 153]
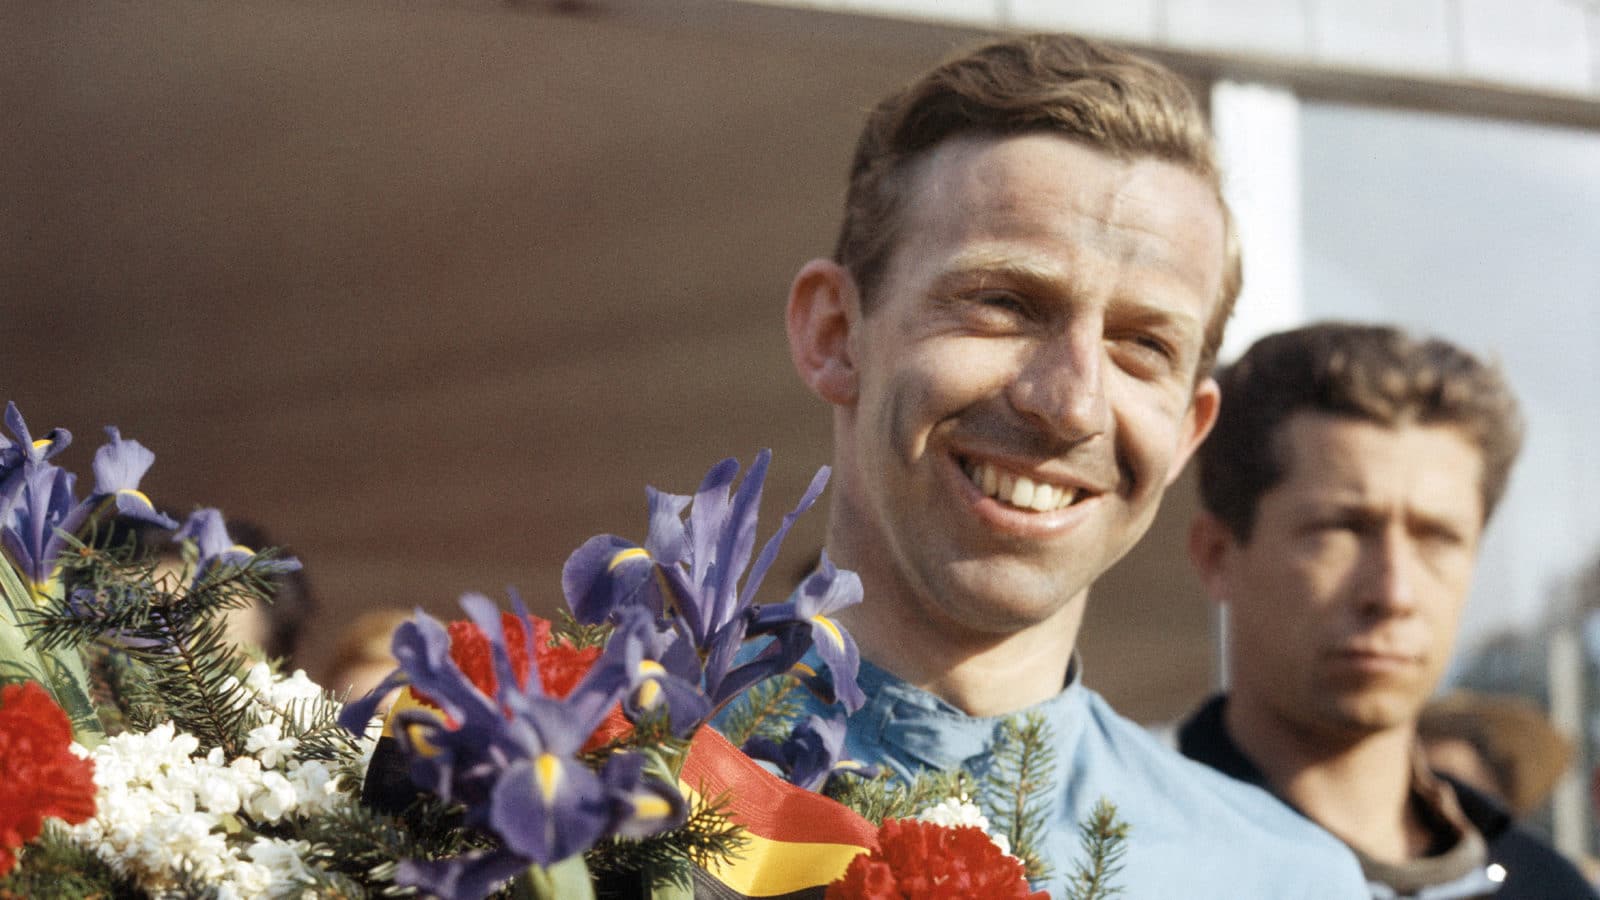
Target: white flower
[217, 791]
[953, 812]
[275, 798]
[259, 678]
[163, 808]
[283, 861]
[269, 745]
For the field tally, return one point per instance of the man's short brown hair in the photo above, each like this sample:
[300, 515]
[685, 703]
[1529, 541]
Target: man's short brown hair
[1370, 373]
[1102, 97]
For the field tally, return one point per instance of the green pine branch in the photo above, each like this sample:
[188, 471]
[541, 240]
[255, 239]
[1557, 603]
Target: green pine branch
[1104, 839]
[768, 709]
[173, 658]
[664, 859]
[887, 797]
[1017, 790]
[54, 865]
[355, 845]
[579, 635]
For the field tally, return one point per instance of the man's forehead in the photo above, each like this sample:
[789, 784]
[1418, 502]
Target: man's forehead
[1345, 455]
[1049, 191]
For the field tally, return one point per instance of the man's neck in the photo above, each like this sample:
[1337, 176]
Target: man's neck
[1358, 787]
[980, 674]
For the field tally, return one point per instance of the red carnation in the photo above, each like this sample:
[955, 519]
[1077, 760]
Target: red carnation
[42, 777]
[923, 861]
[560, 666]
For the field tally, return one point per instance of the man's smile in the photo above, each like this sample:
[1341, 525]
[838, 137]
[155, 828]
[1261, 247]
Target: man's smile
[1018, 490]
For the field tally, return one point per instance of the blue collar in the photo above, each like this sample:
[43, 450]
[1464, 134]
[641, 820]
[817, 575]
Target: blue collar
[920, 729]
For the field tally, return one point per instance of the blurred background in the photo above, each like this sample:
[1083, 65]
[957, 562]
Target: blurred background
[430, 291]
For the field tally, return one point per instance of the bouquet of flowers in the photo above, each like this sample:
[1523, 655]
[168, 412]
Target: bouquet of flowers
[144, 756]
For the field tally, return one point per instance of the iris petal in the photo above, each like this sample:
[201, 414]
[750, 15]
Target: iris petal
[471, 876]
[547, 819]
[604, 575]
[119, 466]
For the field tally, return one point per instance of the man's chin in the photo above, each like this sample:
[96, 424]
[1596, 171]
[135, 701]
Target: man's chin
[1373, 712]
[1002, 604]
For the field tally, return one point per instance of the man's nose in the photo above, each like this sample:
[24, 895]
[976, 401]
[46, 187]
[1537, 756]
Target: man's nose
[1062, 384]
[1390, 586]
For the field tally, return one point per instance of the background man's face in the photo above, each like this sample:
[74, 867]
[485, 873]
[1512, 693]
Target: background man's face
[1345, 601]
[1025, 377]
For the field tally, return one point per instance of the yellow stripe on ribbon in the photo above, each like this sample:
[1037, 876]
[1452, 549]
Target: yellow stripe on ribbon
[764, 867]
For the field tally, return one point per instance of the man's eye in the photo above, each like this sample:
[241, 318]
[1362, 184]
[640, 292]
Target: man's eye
[1152, 345]
[1005, 302]
[1144, 354]
[1441, 536]
[1332, 526]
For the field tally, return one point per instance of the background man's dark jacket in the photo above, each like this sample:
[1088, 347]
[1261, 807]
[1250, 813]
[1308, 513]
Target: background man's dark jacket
[1534, 870]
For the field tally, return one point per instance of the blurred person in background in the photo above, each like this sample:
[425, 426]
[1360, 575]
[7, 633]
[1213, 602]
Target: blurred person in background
[1500, 745]
[274, 629]
[1344, 491]
[362, 655]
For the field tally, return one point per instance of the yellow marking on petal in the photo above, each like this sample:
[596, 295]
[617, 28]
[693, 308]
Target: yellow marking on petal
[41, 443]
[403, 701]
[547, 770]
[625, 555]
[417, 733]
[137, 495]
[803, 670]
[652, 807]
[669, 597]
[831, 629]
[42, 591]
[649, 668]
[240, 548]
[649, 694]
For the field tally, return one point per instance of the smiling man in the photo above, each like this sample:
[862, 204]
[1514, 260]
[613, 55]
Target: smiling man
[1345, 490]
[1015, 334]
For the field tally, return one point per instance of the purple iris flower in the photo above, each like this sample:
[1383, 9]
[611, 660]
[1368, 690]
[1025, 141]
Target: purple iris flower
[25, 449]
[687, 573]
[36, 510]
[215, 547]
[824, 592]
[38, 505]
[663, 674]
[812, 752]
[514, 760]
[118, 468]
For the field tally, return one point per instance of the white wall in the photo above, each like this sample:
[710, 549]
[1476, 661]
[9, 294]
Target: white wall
[1548, 46]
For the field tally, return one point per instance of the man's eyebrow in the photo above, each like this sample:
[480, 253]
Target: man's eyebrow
[982, 265]
[975, 267]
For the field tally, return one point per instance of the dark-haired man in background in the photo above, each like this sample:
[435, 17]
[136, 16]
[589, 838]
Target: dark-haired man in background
[1345, 488]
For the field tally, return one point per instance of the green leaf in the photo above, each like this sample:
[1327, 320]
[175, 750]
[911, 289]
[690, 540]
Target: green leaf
[60, 670]
[566, 880]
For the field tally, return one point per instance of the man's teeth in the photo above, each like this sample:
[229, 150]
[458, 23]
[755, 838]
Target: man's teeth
[1019, 490]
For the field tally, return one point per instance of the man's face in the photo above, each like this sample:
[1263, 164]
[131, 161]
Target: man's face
[1344, 602]
[1023, 389]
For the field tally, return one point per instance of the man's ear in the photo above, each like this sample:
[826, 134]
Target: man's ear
[824, 306]
[1197, 422]
[1211, 549]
